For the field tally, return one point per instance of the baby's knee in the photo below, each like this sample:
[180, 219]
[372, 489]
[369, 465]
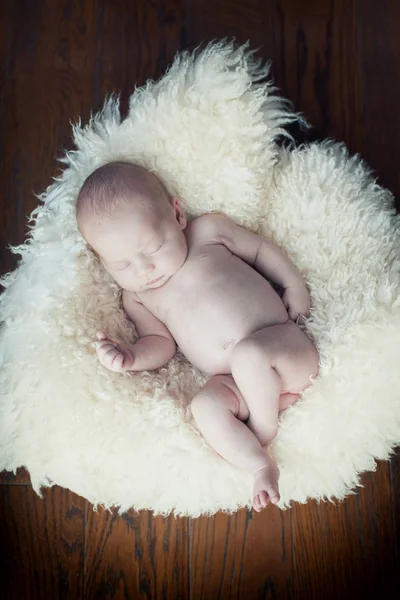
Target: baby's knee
[218, 393]
[310, 361]
[298, 372]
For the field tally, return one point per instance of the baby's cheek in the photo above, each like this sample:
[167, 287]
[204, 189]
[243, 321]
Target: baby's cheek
[176, 257]
[172, 264]
[169, 263]
[124, 280]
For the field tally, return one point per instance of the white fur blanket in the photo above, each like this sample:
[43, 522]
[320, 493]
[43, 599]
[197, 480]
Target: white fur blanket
[208, 128]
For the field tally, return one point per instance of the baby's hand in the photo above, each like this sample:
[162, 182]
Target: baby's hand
[297, 301]
[113, 355]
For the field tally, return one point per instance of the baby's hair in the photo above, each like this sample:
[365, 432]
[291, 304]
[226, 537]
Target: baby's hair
[114, 185]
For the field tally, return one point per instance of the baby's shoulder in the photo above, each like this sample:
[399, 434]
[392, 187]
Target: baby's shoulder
[206, 228]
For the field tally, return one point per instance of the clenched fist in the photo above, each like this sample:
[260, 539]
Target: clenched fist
[297, 301]
[114, 356]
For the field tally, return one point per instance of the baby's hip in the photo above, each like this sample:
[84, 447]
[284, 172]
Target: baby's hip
[283, 347]
[282, 343]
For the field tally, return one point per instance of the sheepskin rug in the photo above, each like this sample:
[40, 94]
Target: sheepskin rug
[209, 129]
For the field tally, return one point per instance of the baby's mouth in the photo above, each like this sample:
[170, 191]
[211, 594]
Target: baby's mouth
[154, 280]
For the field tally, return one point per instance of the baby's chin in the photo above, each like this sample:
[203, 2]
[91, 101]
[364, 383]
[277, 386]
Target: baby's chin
[152, 285]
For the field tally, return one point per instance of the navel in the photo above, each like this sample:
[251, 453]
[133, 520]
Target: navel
[228, 343]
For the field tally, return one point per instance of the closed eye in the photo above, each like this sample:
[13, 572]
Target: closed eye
[123, 268]
[154, 251]
[147, 253]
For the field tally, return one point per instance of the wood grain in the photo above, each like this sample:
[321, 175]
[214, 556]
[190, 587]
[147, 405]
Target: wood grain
[317, 66]
[251, 20]
[379, 36]
[42, 544]
[20, 478]
[244, 555]
[6, 23]
[346, 549]
[135, 556]
[50, 82]
[138, 47]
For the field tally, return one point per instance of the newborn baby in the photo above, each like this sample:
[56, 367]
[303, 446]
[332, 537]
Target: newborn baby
[202, 285]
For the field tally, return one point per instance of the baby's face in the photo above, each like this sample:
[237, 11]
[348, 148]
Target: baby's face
[141, 247]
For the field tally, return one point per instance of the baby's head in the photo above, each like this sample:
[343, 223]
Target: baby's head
[133, 225]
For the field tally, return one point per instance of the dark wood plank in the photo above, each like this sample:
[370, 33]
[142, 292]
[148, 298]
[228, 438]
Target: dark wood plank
[251, 20]
[135, 556]
[138, 46]
[51, 79]
[41, 551]
[317, 66]
[6, 26]
[379, 36]
[6, 23]
[20, 478]
[346, 550]
[395, 507]
[245, 555]
[379, 535]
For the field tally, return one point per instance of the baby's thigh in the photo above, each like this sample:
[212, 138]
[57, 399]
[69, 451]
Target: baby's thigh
[285, 348]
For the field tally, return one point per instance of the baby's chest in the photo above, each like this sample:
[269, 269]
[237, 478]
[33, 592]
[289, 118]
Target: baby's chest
[214, 288]
[204, 276]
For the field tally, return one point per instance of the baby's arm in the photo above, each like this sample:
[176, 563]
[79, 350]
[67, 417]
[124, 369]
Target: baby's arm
[265, 257]
[154, 348]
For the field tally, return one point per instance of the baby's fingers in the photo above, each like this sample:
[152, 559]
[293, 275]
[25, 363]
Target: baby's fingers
[102, 348]
[110, 357]
[116, 363]
[101, 336]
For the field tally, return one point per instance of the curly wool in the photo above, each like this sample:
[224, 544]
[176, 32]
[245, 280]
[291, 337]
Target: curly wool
[209, 130]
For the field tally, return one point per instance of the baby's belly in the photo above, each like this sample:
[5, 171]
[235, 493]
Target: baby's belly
[210, 348]
[211, 319]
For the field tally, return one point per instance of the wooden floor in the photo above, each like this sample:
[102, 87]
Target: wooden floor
[339, 62]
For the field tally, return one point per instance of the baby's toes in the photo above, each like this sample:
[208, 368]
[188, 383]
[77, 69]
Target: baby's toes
[272, 493]
[275, 498]
[260, 501]
[264, 499]
[256, 503]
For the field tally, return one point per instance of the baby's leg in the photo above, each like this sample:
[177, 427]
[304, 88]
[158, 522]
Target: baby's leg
[219, 411]
[279, 359]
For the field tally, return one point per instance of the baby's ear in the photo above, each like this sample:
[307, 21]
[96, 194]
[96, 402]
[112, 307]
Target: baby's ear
[175, 200]
[179, 214]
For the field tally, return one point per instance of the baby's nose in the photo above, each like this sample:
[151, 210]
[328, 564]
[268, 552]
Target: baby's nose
[144, 269]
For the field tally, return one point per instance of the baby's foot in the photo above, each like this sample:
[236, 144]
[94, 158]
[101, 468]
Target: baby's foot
[266, 487]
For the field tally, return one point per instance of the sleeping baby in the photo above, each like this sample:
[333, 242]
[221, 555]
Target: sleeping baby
[202, 285]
